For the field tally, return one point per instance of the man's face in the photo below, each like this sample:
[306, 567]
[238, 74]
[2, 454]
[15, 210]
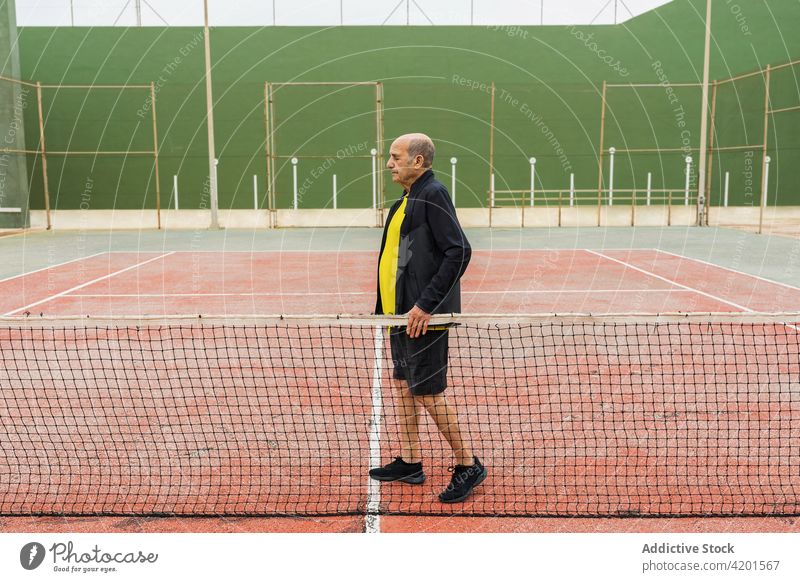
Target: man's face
[404, 170]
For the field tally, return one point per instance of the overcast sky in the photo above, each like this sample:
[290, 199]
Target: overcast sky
[328, 12]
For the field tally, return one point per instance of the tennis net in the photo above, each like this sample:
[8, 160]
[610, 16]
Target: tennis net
[664, 415]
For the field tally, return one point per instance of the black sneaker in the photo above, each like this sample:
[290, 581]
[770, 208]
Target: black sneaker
[465, 479]
[399, 470]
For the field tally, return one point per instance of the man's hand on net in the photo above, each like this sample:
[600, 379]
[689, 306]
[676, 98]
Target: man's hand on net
[417, 322]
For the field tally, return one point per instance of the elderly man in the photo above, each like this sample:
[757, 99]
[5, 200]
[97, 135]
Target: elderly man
[423, 255]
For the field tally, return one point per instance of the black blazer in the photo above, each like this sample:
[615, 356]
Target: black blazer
[434, 251]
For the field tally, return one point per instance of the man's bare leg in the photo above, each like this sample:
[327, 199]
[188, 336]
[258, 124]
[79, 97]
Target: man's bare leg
[408, 415]
[446, 420]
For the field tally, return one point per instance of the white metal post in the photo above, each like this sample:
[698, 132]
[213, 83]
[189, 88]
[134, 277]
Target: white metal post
[294, 183]
[611, 152]
[767, 160]
[572, 190]
[649, 187]
[727, 186]
[453, 162]
[374, 154]
[255, 192]
[334, 192]
[533, 177]
[491, 192]
[175, 190]
[688, 177]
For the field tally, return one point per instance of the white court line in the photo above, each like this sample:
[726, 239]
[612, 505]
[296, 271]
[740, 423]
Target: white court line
[337, 293]
[729, 269]
[82, 285]
[659, 277]
[372, 520]
[11, 278]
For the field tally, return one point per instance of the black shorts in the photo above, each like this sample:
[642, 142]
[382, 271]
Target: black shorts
[421, 361]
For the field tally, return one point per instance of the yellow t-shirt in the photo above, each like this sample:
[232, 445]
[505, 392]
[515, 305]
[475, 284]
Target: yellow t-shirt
[387, 270]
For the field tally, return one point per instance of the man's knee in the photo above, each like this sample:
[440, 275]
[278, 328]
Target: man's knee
[431, 401]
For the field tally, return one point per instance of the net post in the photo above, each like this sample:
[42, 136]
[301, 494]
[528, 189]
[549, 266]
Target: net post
[572, 189]
[533, 177]
[43, 150]
[374, 153]
[649, 187]
[334, 192]
[453, 162]
[294, 183]
[600, 157]
[765, 187]
[764, 163]
[669, 208]
[611, 152]
[560, 202]
[491, 156]
[175, 191]
[688, 180]
[727, 187]
[155, 155]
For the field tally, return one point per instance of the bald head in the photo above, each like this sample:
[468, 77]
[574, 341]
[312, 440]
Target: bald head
[409, 157]
[419, 144]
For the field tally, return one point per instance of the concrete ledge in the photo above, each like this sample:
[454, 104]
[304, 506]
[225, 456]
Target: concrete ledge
[96, 219]
[473, 217]
[328, 217]
[615, 215]
[540, 217]
[683, 215]
[578, 216]
[740, 215]
[651, 215]
[505, 218]
[529, 217]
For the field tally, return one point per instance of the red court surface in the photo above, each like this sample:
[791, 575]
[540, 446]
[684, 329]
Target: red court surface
[498, 282]
[502, 282]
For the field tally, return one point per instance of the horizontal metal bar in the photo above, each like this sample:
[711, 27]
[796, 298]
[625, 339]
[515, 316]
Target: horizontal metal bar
[594, 190]
[784, 65]
[315, 156]
[737, 148]
[651, 151]
[348, 83]
[11, 151]
[18, 81]
[9, 210]
[785, 109]
[739, 77]
[567, 318]
[79, 153]
[95, 86]
[653, 85]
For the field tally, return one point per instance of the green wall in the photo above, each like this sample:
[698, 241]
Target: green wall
[548, 83]
[14, 100]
